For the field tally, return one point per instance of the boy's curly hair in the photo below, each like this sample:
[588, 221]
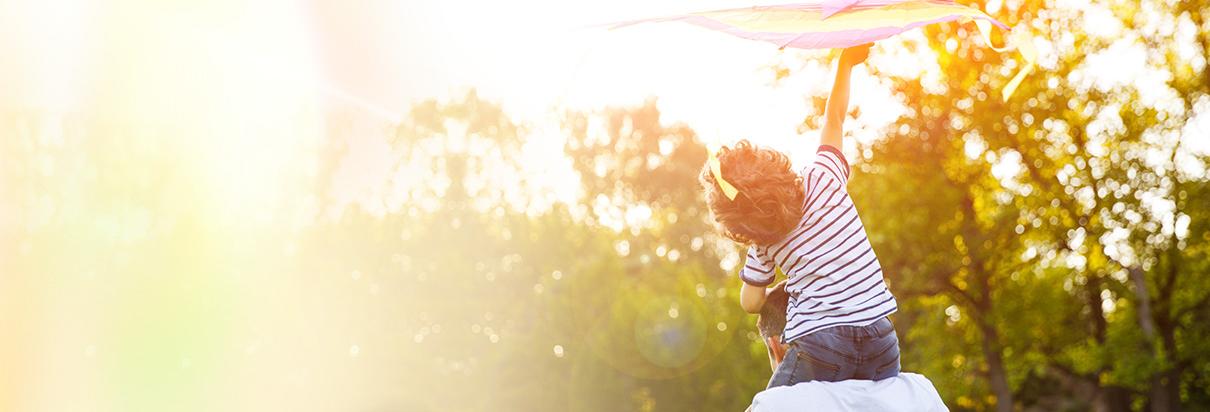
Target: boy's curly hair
[769, 203]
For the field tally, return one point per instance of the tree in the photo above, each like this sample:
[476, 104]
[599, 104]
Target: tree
[1099, 179]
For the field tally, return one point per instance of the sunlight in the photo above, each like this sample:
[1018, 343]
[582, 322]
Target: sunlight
[479, 206]
[235, 82]
[52, 43]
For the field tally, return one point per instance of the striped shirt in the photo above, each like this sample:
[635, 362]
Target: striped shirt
[834, 277]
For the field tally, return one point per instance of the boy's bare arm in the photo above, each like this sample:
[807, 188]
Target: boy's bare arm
[752, 298]
[838, 100]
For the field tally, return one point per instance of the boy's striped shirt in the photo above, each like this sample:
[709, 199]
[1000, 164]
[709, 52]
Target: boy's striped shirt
[834, 276]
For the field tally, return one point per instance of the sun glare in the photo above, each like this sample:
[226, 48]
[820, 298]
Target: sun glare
[475, 205]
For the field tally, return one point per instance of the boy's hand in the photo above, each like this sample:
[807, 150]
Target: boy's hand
[853, 56]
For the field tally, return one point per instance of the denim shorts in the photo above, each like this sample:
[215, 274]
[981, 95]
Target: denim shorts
[839, 353]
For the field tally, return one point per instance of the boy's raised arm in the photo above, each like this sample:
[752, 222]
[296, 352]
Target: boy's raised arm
[838, 101]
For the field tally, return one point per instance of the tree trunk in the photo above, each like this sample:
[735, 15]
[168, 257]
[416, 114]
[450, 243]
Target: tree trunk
[997, 377]
[1165, 385]
[1146, 320]
[1112, 398]
[1101, 398]
[1105, 398]
[1164, 394]
[993, 352]
[1092, 297]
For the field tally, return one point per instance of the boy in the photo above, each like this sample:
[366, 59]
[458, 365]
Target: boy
[836, 317]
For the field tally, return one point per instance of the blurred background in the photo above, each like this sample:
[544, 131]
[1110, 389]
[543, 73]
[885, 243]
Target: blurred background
[470, 206]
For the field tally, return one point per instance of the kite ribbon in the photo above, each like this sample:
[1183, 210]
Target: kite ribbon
[716, 169]
[1020, 40]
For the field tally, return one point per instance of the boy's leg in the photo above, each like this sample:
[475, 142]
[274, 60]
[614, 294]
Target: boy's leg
[820, 356]
[881, 359]
[840, 353]
[827, 356]
[783, 374]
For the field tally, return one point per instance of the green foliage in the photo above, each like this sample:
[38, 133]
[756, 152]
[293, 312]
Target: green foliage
[1067, 265]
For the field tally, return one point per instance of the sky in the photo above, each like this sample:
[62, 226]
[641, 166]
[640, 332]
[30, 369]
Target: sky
[248, 60]
[538, 55]
[242, 69]
[247, 65]
[238, 84]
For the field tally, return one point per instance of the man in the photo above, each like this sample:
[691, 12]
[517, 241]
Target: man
[772, 323]
[904, 392]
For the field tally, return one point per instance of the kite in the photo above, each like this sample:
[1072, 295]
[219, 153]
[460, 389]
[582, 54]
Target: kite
[845, 23]
[828, 24]
[832, 24]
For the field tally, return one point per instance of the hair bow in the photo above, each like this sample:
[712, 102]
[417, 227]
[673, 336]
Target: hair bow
[716, 169]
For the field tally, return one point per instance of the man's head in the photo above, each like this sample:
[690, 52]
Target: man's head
[770, 196]
[772, 323]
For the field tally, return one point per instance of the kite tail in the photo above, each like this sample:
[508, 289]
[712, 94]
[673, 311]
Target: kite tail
[1020, 40]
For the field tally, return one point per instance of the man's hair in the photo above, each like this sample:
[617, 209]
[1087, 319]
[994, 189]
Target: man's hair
[772, 320]
[769, 203]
